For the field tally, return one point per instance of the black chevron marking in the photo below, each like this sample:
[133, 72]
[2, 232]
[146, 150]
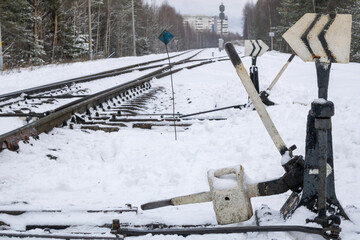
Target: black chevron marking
[259, 49]
[306, 33]
[253, 48]
[323, 40]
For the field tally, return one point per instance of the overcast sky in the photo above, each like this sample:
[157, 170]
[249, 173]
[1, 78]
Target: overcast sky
[233, 9]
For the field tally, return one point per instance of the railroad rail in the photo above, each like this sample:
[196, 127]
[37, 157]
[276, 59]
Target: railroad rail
[115, 96]
[68, 88]
[69, 82]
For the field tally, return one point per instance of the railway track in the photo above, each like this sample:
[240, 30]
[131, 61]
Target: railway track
[110, 73]
[52, 105]
[19, 101]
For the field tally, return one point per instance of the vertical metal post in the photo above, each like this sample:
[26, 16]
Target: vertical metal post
[133, 27]
[323, 76]
[90, 33]
[166, 37]
[221, 33]
[322, 125]
[1, 53]
[319, 188]
[172, 91]
[254, 74]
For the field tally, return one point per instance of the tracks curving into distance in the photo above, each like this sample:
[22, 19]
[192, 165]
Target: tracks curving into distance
[113, 99]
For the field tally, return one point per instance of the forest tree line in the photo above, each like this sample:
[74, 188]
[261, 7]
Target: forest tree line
[36, 32]
[279, 15]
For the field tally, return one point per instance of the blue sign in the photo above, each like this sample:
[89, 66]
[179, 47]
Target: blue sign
[166, 37]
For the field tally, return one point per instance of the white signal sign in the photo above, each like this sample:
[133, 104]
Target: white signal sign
[255, 48]
[323, 37]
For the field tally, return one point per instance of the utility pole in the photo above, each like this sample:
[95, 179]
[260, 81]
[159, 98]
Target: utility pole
[90, 33]
[133, 27]
[1, 53]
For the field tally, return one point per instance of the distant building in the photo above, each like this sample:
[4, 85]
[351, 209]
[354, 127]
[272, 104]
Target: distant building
[203, 23]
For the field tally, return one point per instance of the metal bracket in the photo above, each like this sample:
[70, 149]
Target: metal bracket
[254, 74]
[319, 188]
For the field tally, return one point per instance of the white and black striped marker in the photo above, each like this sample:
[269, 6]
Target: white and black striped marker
[255, 48]
[323, 37]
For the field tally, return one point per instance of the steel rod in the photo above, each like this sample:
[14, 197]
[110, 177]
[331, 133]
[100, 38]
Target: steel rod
[213, 110]
[221, 230]
[53, 236]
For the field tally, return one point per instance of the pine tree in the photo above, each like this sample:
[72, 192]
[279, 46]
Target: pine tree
[122, 38]
[145, 29]
[291, 11]
[44, 31]
[20, 47]
[60, 37]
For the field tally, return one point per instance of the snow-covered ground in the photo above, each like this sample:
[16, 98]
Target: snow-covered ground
[101, 170]
[14, 81]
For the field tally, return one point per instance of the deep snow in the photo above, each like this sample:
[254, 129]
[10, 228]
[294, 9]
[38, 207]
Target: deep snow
[99, 170]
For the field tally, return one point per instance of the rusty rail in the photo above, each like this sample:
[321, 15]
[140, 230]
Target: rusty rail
[109, 73]
[10, 140]
[60, 115]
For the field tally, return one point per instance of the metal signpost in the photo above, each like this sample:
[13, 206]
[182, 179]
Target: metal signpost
[166, 37]
[254, 49]
[323, 39]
